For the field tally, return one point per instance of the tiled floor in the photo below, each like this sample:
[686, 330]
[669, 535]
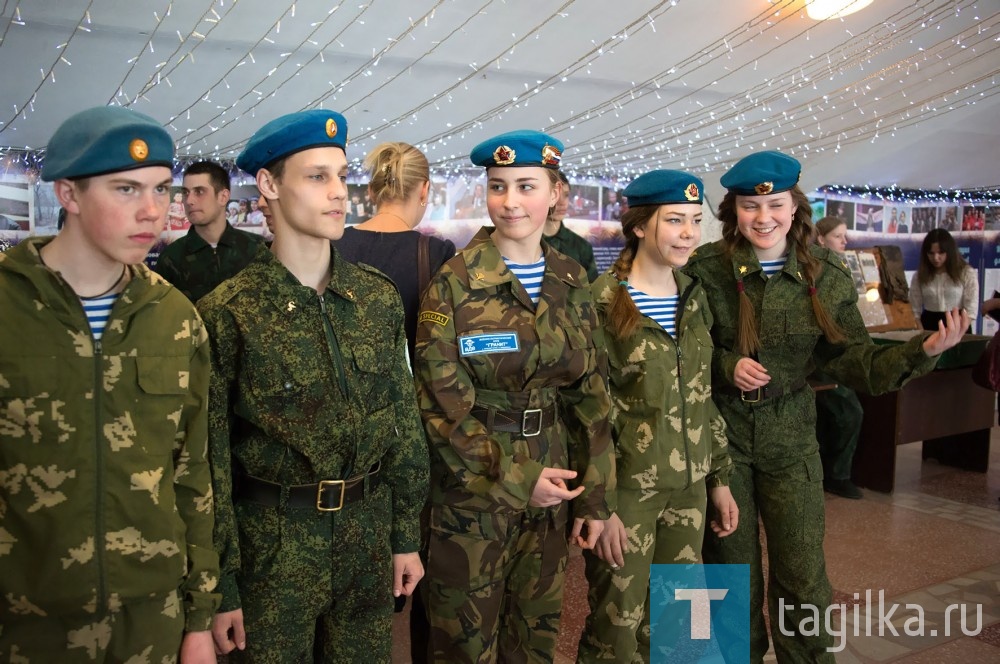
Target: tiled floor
[935, 542]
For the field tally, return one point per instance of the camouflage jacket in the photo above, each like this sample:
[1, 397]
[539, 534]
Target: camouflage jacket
[308, 388]
[555, 362]
[105, 490]
[194, 267]
[569, 243]
[792, 346]
[668, 433]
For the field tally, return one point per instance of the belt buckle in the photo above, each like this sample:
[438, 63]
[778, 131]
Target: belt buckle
[323, 486]
[524, 422]
[760, 395]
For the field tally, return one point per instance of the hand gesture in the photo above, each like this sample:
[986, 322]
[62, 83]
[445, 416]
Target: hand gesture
[949, 332]
[551, 489]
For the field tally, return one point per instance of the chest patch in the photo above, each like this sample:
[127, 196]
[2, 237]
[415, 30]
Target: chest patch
[494, 342]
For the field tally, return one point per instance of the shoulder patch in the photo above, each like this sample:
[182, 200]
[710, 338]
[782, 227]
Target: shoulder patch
[433, 317]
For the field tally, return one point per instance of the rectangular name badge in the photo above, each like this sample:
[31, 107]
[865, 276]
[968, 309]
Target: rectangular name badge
[494, 342]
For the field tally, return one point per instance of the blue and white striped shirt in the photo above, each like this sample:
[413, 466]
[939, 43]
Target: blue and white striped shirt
[530, 276]
[98, 310]
[773, 267]
[663, 310]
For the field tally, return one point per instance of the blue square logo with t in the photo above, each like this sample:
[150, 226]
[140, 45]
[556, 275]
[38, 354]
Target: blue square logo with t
[699, 613]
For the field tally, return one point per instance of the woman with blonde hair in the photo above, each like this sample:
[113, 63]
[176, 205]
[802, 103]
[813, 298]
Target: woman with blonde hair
[399, 186]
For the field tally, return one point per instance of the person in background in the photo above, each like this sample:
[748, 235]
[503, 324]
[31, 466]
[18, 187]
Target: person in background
[563, 239]
[839, 414]
[943, 281]
[782, 307]
[399, 182]
[669, 437]
[106, 498]
[212, 250]
[318, 461]
[515, 406]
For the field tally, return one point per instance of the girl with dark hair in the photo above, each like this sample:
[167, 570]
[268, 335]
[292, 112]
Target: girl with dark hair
[782, 307]
[670, 441]
[943, 281]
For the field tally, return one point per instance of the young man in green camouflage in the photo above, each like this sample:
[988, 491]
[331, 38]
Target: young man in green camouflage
[105, 491]
[319, 463]
[212, 250]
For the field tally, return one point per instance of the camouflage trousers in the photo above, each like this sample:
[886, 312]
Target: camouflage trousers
[139, 632]
[495, 584]
[838, 427]
[787, 494]
[316, 586]
[667, 528]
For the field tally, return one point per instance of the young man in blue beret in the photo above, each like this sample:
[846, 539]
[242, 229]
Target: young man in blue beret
[318, 459]
[105, 491]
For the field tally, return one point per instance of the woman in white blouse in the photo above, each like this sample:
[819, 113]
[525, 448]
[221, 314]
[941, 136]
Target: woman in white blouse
[943, 281]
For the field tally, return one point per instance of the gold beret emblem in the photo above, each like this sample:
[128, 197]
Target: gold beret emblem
[764, 188]
[691, 193]
[138, 149]
[331, 127]
[551, 155]
[503, 155]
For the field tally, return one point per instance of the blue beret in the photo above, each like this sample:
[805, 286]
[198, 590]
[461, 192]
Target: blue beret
[661, 187]
[106, 139]
[293, 133]
[524, 147]
[762, 173]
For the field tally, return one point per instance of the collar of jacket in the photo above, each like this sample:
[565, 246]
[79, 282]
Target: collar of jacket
[745, 263]
[481, 254]
[229, 238]
[144, 287]
[288, 294]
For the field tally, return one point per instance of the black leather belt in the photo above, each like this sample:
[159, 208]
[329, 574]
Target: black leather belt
[325, 496]
[761, 393]
[528, 422]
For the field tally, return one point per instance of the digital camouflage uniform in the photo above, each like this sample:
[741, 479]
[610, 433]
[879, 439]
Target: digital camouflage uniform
[308, 388]
[496, 566]
[194, 267]
[105, 492]
[570, 244]
[777, 469]
[669, 437]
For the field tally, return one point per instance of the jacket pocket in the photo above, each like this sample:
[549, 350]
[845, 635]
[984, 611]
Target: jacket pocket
[374, 378]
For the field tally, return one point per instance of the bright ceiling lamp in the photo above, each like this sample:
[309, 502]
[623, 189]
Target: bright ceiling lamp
[820, 10]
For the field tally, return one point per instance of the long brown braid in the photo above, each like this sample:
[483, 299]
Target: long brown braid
[800, 237]
[623, 315]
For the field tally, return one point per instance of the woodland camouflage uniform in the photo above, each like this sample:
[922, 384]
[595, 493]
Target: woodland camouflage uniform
[496, 566]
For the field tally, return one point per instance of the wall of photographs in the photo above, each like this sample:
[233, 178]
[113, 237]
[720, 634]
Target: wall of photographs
[457, 209]
[873, 222]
